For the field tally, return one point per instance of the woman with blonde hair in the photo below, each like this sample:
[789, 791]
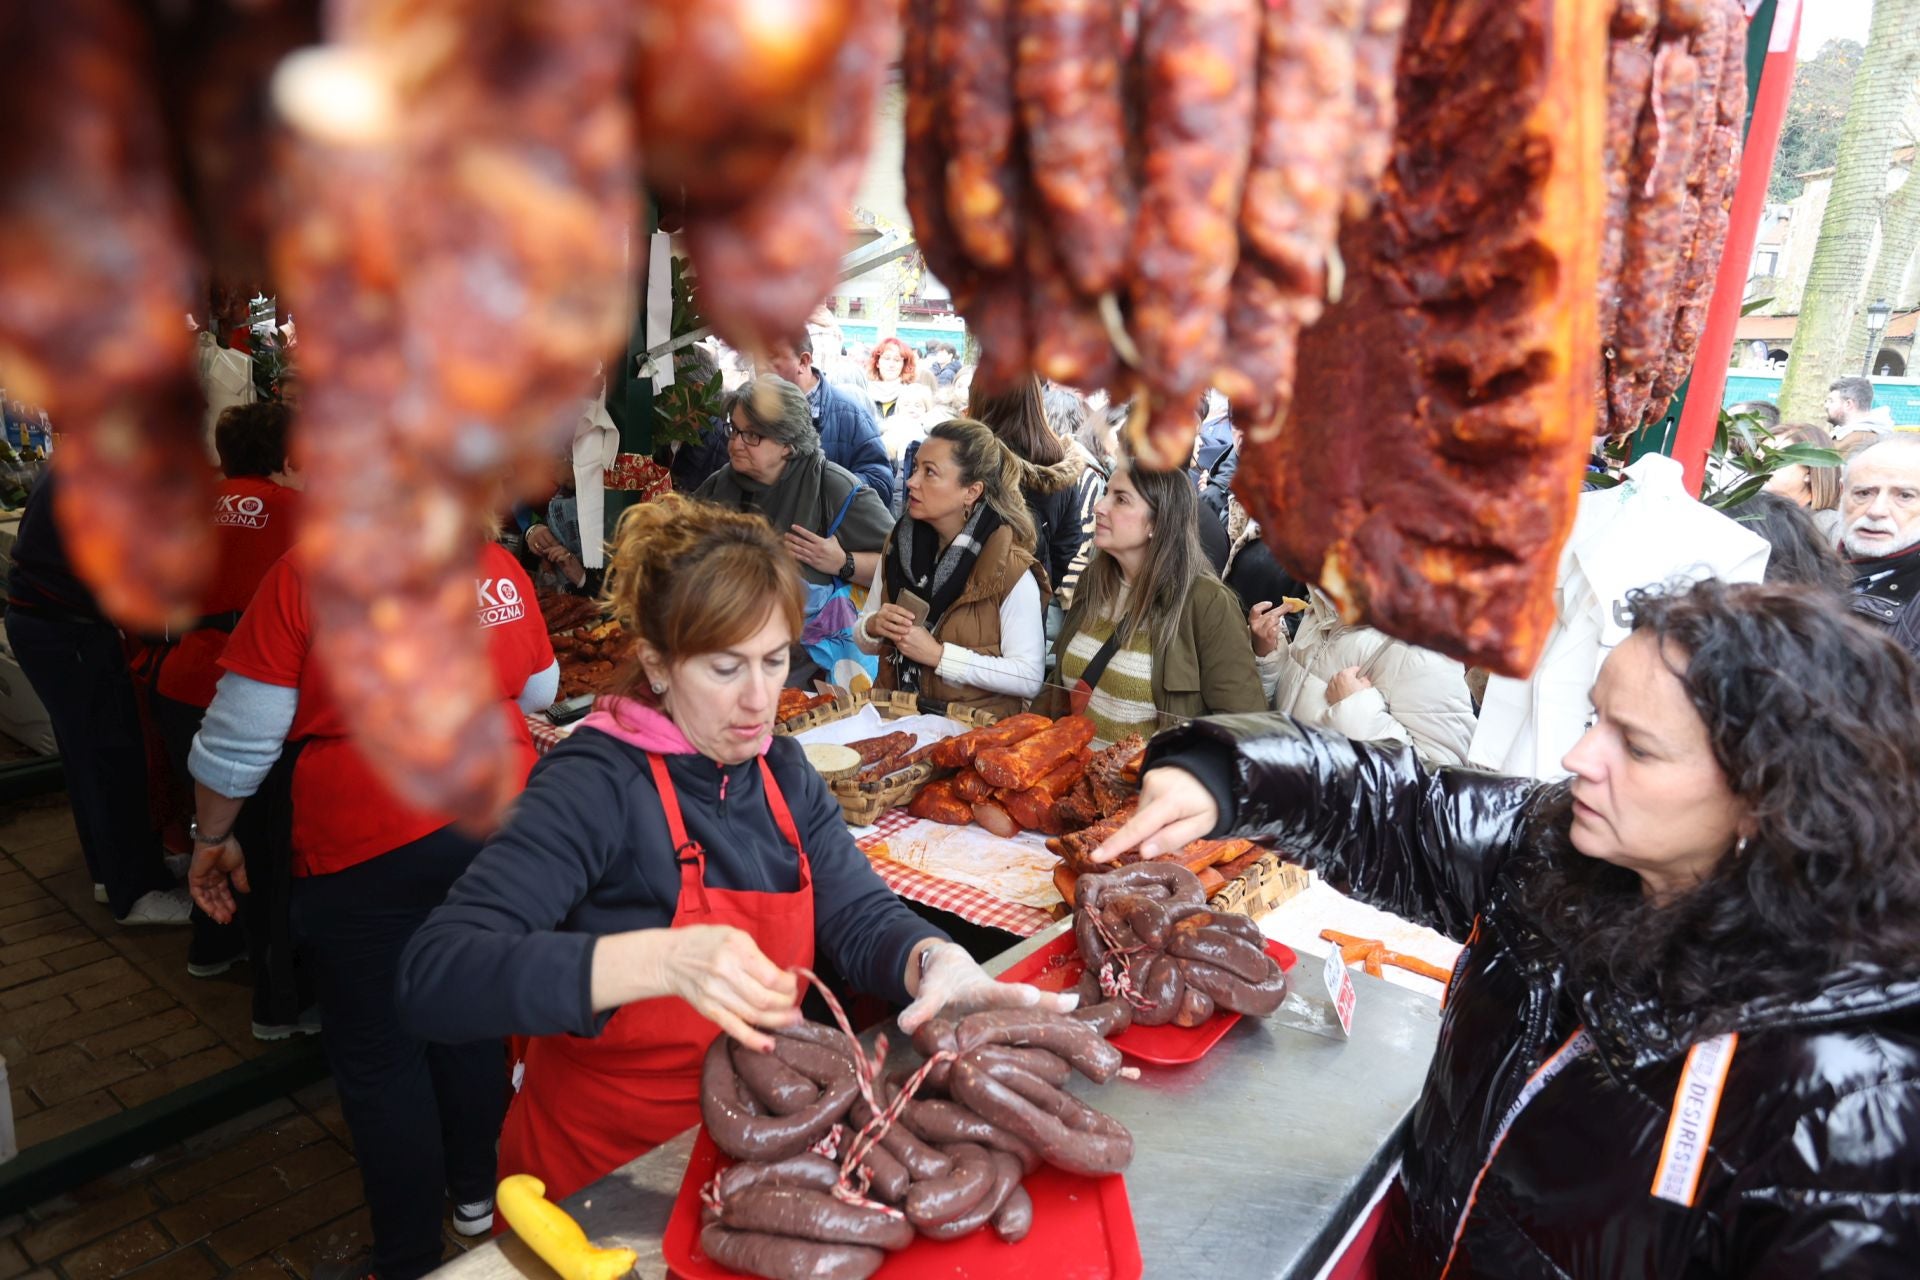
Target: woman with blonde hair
[669, 867]
[957, 607]
[1815, 488]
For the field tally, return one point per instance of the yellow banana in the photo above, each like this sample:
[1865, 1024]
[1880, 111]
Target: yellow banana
[550, 1232]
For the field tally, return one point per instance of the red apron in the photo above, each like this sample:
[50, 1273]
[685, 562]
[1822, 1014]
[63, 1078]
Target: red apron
[588, 1106]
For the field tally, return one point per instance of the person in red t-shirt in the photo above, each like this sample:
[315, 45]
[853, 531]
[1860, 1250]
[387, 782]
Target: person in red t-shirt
[367, 869]
[255, 510]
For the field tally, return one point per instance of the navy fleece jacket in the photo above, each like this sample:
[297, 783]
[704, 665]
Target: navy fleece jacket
[585, 852]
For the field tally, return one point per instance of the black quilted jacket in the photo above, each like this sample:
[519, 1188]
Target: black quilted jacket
[1813, 1167]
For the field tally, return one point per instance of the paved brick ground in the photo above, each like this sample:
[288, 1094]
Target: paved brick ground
[95, 1019]
[265, 1196]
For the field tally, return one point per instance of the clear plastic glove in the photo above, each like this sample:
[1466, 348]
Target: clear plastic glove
[953, 981]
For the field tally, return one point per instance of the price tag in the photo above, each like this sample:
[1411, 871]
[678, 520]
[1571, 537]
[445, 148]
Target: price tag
[1340, 988]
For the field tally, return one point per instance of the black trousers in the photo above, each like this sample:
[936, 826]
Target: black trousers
[425, 1117]
[80, 674]
[262, 925]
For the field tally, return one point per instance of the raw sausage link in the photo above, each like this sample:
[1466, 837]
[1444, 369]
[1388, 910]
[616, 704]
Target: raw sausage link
[1223, 950]
[1196, 1006]
[1255, 999]
[1067, 77]
[1006, 1179]
[778, 1088]
[943, 1199]
[1063, 1130]
[1066, 1038]
[1015, 1217]
[745, 1136]
[803, 1170]
[807, 1214]
[938, 1120]
[972, 43]
[785, 1258]
[95, 278]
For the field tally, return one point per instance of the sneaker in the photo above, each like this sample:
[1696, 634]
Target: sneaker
[177, 864]
[161, 906]
[309, 1025]
[212, 965]
[474, 1219]
[100, 894]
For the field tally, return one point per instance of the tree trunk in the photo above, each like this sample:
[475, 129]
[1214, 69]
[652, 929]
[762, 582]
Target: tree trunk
[1899, 236]
[1841, 256]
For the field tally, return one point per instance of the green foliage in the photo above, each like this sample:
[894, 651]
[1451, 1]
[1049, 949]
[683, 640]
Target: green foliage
[682, 411]
[1810, 137]
[1739, 464]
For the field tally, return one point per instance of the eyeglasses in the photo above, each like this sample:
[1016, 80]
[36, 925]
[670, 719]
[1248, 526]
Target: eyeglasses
[751, 439]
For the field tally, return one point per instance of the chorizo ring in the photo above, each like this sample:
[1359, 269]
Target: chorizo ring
[807, 1214]
[941, 1200]
[1006, 1179]
[745, 1136]
[1066, 1132]
[1065, 1037]
[785, 1258]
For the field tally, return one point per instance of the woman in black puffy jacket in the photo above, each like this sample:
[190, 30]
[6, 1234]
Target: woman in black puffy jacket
[1052, 478]
[1683, 1039]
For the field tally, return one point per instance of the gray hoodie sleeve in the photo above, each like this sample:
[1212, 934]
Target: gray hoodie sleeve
[243, 734]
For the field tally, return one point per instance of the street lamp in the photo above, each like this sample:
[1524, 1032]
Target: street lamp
[1876, 321]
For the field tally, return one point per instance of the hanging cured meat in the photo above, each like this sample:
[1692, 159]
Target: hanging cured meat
[96, 278]
[1427, 471]
[457, 265]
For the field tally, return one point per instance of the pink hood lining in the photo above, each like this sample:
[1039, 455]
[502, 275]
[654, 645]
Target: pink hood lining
[638, 725]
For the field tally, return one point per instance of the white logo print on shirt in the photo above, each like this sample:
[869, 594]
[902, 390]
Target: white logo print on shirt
[499, 601]
[244, 513]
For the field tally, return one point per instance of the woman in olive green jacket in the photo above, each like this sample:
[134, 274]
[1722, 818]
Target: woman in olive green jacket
[1161, 637]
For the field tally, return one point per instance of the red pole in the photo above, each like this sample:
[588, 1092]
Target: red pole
[1701, 416]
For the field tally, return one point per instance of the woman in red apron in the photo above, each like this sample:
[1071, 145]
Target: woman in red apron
[667, 869]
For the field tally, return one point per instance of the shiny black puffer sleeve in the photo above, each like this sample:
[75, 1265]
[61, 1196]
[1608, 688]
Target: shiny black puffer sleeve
[1370, 818]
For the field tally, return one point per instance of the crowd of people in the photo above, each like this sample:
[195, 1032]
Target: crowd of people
[1000, 551]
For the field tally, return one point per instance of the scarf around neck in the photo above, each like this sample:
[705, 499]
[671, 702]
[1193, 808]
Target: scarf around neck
[916, 563]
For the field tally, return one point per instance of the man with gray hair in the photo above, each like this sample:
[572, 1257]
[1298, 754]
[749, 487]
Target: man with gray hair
[1880, 534]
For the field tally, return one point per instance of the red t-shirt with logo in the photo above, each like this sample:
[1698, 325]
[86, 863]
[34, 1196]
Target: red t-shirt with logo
[253, 525]
[343, 813]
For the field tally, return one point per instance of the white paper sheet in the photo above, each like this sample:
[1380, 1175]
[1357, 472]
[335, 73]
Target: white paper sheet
[1017, 870]
[867, 723]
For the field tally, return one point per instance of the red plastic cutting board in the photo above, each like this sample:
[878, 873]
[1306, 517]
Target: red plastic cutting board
[1082, 1230]
[1058, 966]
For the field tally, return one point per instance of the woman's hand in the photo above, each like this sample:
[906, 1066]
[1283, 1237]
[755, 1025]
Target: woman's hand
[1175, 810]
[723, 974]
[1265, 623]
[1345, 684]
[952, 980]
[216, 871]
[823, 554]
[540, 541]
[890, 622]
[918, 645]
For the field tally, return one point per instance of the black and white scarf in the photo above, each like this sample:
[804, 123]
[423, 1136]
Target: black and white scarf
[916, 563]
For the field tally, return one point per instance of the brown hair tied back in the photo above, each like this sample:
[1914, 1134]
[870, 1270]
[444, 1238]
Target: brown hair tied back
[687, 578]
[983, 457]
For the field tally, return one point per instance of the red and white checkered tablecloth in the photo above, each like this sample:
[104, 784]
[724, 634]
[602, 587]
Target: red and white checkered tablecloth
[546, 734]
[976, 906]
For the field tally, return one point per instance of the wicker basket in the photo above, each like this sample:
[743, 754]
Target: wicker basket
[862, 803]
[1260, 888]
